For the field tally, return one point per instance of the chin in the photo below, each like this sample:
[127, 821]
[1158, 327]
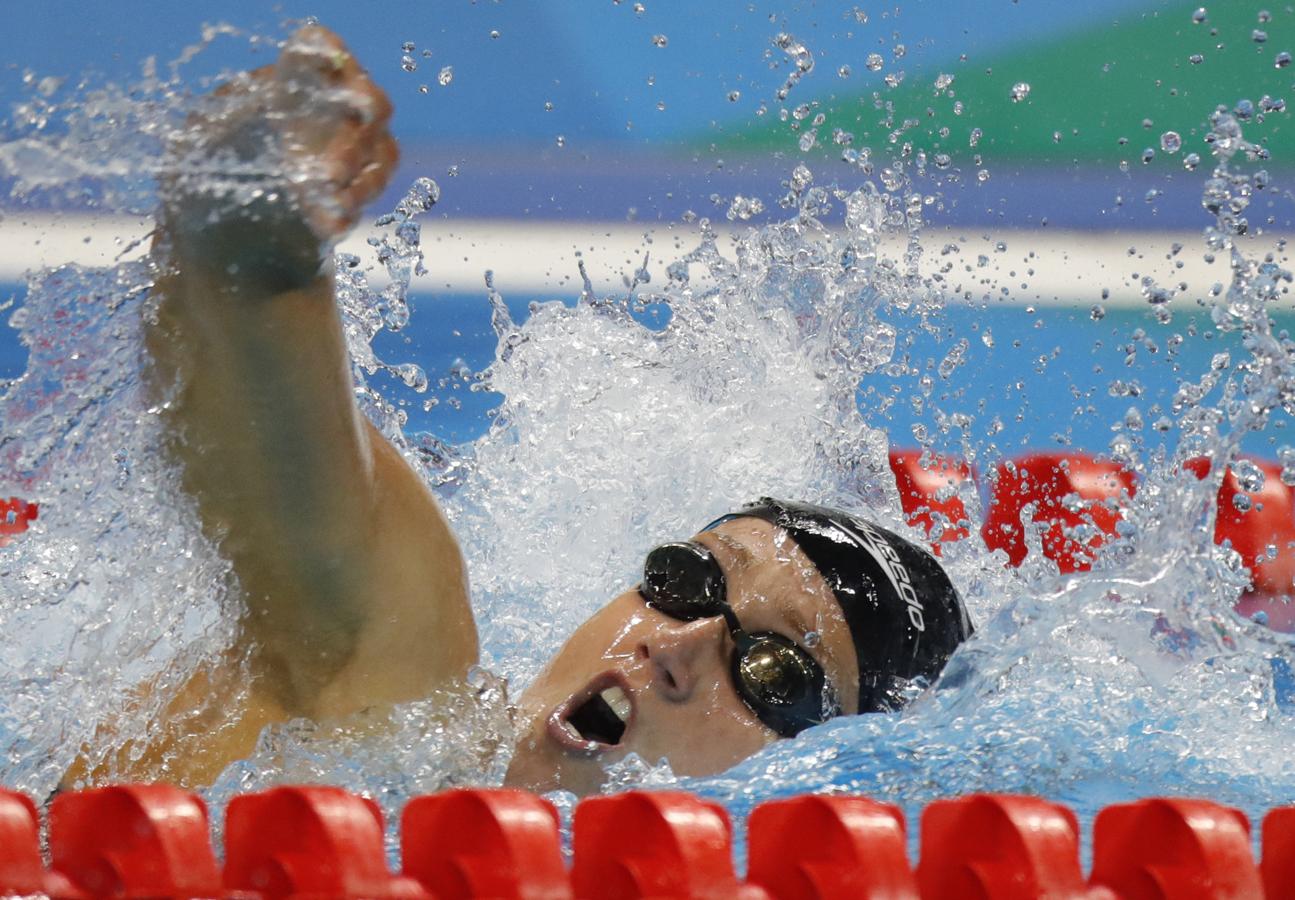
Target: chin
[532, 769]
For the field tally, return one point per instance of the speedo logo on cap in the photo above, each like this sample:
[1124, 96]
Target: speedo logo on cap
[896, 572]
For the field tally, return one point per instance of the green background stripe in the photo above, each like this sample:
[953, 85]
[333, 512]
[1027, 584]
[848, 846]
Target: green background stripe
[1091, 88]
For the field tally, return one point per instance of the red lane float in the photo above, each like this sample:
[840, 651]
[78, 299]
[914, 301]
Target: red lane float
[928, 485]
[1253, 521]
[1071, 493]
[484, 843]
[1000, 846]
[15, 514]
[309, 842]
[1174, 849]
[829, 848]
[134, 840]
[22, 871]
[655, 844]
[1278, 868]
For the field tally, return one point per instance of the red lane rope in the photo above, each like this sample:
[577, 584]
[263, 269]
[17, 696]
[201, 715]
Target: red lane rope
[136, 840]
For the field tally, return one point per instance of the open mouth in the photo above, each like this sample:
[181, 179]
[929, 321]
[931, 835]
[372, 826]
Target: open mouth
[596, 722]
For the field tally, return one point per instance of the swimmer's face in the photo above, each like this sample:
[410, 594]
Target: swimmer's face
[669, 680]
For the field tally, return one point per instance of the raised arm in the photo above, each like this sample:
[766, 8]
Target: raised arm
[354, 585]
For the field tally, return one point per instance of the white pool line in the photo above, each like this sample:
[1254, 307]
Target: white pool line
[541, 259]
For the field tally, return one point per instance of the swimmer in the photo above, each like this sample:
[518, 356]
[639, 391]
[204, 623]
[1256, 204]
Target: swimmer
[354, 594]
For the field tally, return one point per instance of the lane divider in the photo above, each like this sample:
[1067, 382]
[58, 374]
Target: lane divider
[152, 841]
[1077, 500]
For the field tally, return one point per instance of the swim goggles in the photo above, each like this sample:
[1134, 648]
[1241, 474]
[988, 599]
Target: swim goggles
[782, 684]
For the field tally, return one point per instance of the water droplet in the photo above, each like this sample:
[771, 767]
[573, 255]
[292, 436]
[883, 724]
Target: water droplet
[639, 9]
[1147, 155]
[494, 34]
[1265, 16]
[744, 208]
[445, 76]
[660, 40]
[1259, 36]
[843, 72]
[1196, 59]
[1097, 313]
[548, 106]
[1020, 91]
[408, 63]
[942, 160]
[982, 176]
[1171, 142]
[423, 89]
[1191, 161]
[407, 47]
[660, 105]
[1282, 60]
[874, 62]
[562, 140]
[976, 135]
[1199, 16]
[942, 81]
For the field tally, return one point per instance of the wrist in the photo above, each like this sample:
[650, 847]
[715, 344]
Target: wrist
[261, 244]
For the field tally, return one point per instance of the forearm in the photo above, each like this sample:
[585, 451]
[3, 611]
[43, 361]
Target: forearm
[262, 421]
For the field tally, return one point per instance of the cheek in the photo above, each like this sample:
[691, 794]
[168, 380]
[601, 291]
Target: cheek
[706, 737]
[604, 639]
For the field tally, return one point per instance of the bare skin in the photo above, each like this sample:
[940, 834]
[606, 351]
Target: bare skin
[354, 588]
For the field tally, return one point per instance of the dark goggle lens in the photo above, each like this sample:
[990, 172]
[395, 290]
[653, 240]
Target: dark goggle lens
[776, 675]
[683, 580]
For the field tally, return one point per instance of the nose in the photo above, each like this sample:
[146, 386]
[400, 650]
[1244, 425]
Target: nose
[683, 655]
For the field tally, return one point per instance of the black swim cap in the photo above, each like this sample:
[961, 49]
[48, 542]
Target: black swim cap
[903, 612]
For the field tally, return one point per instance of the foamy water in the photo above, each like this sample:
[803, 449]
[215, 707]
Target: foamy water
[1135, 679]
